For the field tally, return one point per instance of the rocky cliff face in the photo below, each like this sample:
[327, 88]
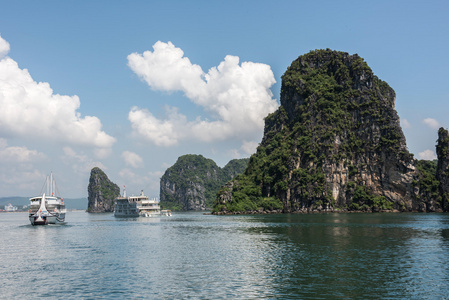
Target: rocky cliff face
[193, 181]
[334, 143]
[101, 192]
[443, 166]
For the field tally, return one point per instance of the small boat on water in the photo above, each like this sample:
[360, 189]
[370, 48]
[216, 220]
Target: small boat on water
[138, 206]
[48, 208]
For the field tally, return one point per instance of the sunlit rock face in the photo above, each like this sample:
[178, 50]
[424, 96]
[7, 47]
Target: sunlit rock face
[335, 143]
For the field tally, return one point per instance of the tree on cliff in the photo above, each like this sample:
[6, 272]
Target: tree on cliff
[101, 192]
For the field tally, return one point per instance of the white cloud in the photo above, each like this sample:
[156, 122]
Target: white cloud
[234, 153]
[160, 132]
[16, 154]
[432, 123]
[31, 109]
[22, 179]
[80, 163]
[18, 174]
[250, 147]
[3, 143]
[132, 159]
[128, 175]
[134, 183]
[237, 97]
[102, 152]
[427, 155]
[4, 47]
[405, 124]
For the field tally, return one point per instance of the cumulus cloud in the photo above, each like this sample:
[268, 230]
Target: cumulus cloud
[249, 147]
[405, 124]
[80, 163]
[236, 96]
[432, 123]
[18, 154]
[128, 174]
[31, 109]
[427, 155]
[149, 182]
[132, 159]
[4, 47]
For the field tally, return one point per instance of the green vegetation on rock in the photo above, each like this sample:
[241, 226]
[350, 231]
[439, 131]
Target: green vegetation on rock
[101, 192]
[335, 143]
[193, 181]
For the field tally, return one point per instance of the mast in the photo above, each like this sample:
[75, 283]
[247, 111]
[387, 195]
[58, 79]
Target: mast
[47, 190]
[51, 183]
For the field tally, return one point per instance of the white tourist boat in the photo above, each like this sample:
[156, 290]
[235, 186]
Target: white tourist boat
[138, 206]
[48, 208]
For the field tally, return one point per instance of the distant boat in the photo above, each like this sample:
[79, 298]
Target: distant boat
[138, 206]
[10, 208]
[48, 208]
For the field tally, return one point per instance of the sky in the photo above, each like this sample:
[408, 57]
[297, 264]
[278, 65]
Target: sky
[129, 86]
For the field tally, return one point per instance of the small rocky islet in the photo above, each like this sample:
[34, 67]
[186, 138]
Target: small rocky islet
[334, 145]
[101, 192]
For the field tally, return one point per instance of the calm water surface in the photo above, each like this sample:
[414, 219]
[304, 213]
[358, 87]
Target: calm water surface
[196, 256]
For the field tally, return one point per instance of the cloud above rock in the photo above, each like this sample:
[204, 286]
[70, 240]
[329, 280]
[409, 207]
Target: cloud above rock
[31, 109]
[432, 123]
[235, 96]
[132, 159]
[427, 155]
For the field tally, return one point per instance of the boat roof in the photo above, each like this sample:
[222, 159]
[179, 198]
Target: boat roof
[46, 197]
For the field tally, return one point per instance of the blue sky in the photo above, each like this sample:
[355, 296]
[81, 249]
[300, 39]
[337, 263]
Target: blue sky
[77, 89]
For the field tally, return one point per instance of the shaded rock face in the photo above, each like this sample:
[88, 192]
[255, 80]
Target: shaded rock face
[193, 181]
[443, 166]
[335, 142]
[101, 192]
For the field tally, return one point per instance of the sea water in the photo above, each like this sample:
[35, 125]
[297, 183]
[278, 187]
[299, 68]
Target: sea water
[200, 256]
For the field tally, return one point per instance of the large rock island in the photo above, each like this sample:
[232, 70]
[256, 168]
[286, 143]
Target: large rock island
[193, 181]
[335, 143]
[101, 192]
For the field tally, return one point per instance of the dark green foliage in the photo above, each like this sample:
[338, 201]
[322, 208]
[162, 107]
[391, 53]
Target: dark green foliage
[246, 196]
[235, 167]
[197, 172]
[365, 200]
[428, 182]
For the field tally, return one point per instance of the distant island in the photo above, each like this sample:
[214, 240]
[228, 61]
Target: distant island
[335, 144]
[193, 181]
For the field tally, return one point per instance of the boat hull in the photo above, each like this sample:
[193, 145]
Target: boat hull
[125, 215]
[45, 220]
[149, 214]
